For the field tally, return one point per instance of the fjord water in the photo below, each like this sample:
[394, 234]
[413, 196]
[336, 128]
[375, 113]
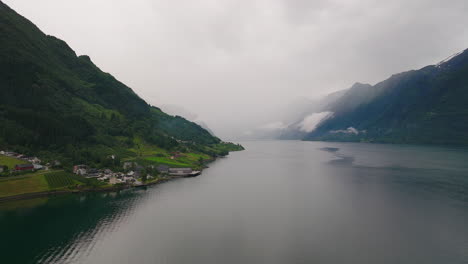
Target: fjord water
[276, 202]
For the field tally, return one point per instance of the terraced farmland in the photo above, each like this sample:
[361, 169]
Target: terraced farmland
[59, 179]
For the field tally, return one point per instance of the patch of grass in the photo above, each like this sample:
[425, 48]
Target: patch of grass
[168, 161]
[191, 160]
[21, 185]
[10, 162]
[196, 156]
[143, 149]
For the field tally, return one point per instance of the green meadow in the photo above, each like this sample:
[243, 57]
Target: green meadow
[10, 162]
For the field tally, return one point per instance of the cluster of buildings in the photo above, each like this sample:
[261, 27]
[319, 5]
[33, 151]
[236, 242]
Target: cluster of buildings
[131, 177]
[30, 163]
[133, 174]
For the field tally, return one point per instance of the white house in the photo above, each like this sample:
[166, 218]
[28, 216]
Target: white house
[180, 171]
[35, 160]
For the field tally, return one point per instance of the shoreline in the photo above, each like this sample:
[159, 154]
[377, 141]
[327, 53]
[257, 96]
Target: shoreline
[26, 196]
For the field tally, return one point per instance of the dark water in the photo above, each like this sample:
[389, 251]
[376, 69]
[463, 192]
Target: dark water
[276, 202]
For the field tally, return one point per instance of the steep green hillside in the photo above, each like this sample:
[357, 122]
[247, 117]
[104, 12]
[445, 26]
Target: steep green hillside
[426, 106]
[58, 104]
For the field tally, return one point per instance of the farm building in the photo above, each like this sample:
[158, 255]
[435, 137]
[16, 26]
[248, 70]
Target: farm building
[80, 169]
[180, 171]
[24, 167]
[34, 160]
[163, 169]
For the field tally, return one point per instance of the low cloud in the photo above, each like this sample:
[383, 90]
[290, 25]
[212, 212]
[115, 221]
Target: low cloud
[311, 122]
[349, 130]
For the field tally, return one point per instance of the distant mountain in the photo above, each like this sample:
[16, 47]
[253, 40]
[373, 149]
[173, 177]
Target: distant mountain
[56, 102]
[426, 106]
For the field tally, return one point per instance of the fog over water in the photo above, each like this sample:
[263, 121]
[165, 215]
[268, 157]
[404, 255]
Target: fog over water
[238, 64]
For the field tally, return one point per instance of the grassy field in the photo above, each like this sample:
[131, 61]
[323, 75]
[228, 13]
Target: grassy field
[23, 184]
[186, 160]
[40, 181]
[10, 162]
[168, 161]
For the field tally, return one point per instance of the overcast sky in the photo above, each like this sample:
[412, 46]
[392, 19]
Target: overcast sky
[235, 62]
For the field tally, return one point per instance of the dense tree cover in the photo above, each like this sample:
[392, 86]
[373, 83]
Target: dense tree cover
[426, 106]
[59, 104]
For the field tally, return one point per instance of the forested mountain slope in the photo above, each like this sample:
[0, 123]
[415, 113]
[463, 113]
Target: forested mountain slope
[57, 103]
[426, 106]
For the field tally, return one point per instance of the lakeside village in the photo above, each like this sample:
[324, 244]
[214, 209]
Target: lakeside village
[131, 174]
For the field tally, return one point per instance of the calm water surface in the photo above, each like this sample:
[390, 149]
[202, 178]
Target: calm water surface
[276, 202]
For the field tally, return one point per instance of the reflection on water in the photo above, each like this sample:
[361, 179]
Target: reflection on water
[276, 202]
[59, 229]
[433, 170]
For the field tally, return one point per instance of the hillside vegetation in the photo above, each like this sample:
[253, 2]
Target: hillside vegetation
[57, 105]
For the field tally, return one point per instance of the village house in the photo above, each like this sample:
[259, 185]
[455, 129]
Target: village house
[80, 169]
[163, 169]
[24, 167]
[128, 179]
[92, 173]
[180, 171]
[34, 160]
[127, 165]
[104, 177]
[81, 172]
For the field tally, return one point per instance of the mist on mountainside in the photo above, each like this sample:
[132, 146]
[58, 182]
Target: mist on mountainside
[425, 106]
